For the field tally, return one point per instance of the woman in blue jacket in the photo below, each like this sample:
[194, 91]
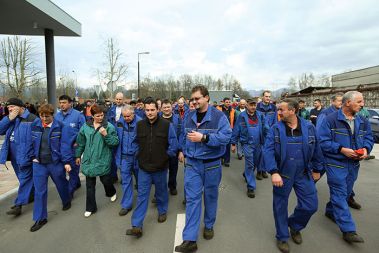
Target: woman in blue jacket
[51, 157]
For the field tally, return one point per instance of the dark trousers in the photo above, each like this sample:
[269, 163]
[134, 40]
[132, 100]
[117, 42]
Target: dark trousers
[226, 156]
[106, 180]
[173, 171]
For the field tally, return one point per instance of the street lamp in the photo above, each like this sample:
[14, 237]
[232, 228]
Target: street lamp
[138, 73]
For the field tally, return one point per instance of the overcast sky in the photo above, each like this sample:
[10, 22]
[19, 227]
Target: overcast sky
[262, 43]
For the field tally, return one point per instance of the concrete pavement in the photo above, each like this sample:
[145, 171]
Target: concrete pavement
[243, 224]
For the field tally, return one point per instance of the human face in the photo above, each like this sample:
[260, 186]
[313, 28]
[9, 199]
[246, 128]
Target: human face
[159, 102]
[151, 112]
[167, 109]
[128, 116]
[199, 101]
[14, 108]
[251, 108]
[316, 104]
[301, 105]
[192, 106]
[64, 105]
[284, 113]
[46, 118]
[119, 99]
[181, 103]
[356, 104]
[267, 97]
[337, 103]
[139, 106]
[98, 118]
[227, 103]
[242, 104]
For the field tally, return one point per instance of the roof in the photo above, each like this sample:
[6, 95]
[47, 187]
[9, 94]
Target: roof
[32, 17]
[309, 90]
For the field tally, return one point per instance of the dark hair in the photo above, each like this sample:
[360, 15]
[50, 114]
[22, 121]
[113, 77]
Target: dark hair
[266, 91]
[150, 100]
[139, 100]
[158, 99]
[203, 90]
[301, 101]
[292, 104]
[46, 109]
[225, 99]
[133, 102]
[96, 109]
[65, 97]
[317, 100]
[166, 101]
[335, 96]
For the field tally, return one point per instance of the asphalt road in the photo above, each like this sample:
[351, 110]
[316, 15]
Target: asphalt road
[243, 224]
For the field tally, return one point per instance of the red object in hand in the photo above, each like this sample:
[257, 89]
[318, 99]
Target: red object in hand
[360, 151]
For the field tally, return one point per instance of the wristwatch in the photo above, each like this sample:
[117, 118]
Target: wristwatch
[204, 138]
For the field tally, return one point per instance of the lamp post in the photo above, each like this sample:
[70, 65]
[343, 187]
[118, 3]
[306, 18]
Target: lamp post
[76, 82]
[138, 93]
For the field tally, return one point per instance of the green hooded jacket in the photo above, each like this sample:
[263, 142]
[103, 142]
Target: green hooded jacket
[96, 149]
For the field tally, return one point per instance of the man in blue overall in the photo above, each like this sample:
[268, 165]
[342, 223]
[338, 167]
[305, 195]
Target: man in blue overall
[73, 121]
[268, 109]
[18, 149]
[205, 134]
[341, 135]
[249, 131]
[126, 155]
[292, 156]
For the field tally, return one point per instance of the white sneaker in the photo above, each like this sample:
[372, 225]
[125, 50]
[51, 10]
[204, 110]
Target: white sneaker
[113, 198]
[87, 214]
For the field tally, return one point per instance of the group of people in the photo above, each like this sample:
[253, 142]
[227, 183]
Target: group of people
[148, 138]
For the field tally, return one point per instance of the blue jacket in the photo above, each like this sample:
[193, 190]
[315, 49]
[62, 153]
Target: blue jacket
[73, 120]
[176, 123]
[127, 135]
[22, 129]
[335, 134]
[269, 112]
[215, 125]
[59, 141]
[140, 113]
[274, 150]
[323, 114]
[176, 109]
[111, 115]
[244, 133]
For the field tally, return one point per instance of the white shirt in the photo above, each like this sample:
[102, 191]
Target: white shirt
[118, 112]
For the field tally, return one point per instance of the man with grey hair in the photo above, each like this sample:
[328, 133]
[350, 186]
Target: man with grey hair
[126, 155]
[345, 139]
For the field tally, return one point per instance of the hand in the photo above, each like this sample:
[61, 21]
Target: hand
[350, 153]
[313, 116]
[13, 114]
[276, 180]
[67, 167]
[181, 157]
[195, 136]
[316, 176]
[103, 131]
[365, 155]
[77, 161]
[233, 149]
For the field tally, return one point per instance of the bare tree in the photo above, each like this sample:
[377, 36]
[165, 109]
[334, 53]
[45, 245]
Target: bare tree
[17, 68]
[114, 70]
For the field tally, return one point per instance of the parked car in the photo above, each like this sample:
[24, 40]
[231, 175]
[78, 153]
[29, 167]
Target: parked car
[374, 122]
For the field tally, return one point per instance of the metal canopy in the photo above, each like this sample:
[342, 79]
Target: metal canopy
[32, 17]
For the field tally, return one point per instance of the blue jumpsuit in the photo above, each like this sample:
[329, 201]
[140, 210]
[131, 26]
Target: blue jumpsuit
[74, 120]
[17, 148]
[341, 171]
[202, 172]
[293, 157]
[60, 145]
[126, 158]
[250, 135]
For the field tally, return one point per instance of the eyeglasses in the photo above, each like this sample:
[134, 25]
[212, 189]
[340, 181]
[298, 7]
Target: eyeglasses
[196, 99]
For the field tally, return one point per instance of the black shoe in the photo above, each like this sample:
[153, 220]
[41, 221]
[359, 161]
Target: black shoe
[208, 233]
[67, 206]
[264, 174]
[250, 193]
[353, 204]
[330, 216]
[15, 210]
[124, 211]
[137, 232]
[173, 192]
[162, 218]
[240, 157]
[226, 164]
[184, 202]
[259, 175]
[296, 236]
[283, 246]
[187, 247]
[38, 225]
[352, 237]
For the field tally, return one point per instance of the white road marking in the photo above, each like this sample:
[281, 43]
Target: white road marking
[180, 222]
[8, 193]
